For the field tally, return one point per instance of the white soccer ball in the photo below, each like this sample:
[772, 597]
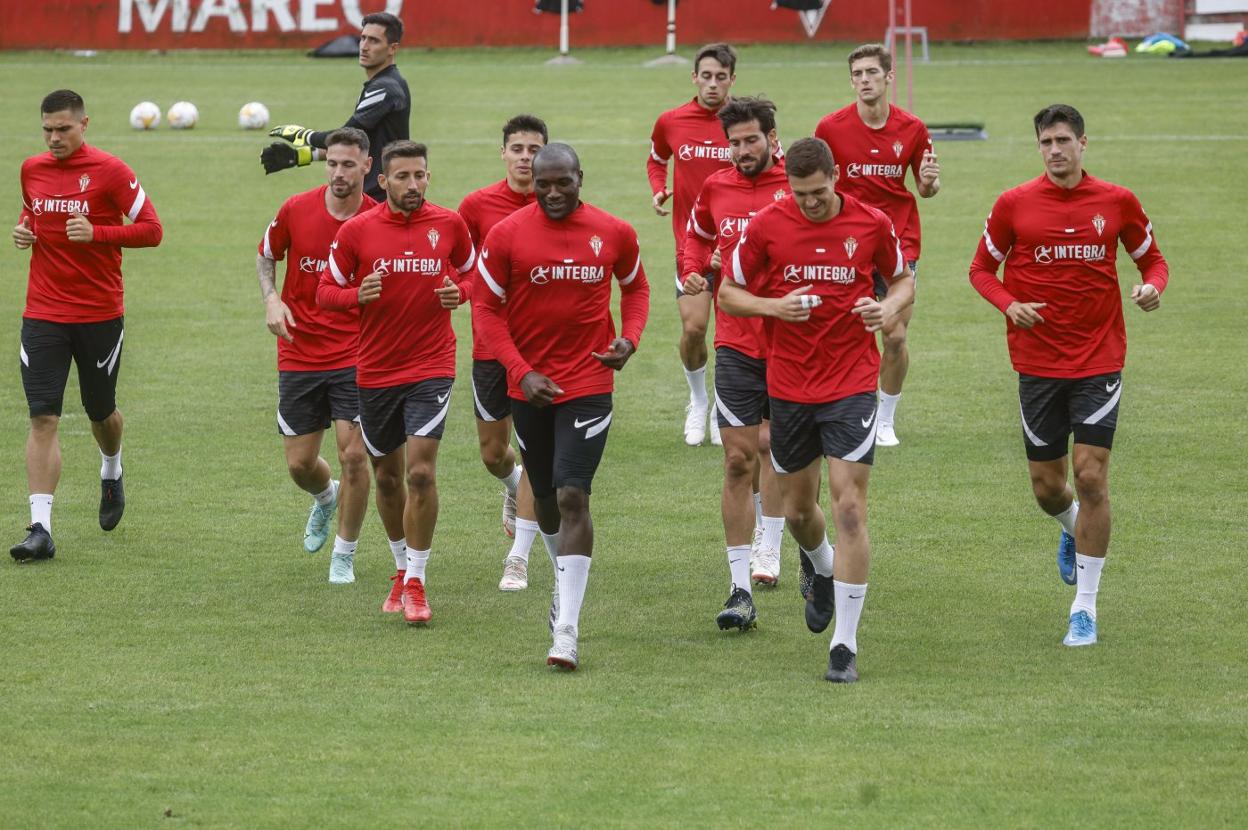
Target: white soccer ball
[183, 115]
[145, 116]
[253, 116]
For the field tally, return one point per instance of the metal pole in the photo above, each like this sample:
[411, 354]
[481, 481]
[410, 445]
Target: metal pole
[909, 61]
[563, 28]
[892, 39]
[671, 27]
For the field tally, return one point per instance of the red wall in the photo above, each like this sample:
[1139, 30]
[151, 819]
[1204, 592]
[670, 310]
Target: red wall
[212, 24]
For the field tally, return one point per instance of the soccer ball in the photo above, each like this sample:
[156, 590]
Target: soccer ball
[183, 115]
[145, 116]
[253, 116]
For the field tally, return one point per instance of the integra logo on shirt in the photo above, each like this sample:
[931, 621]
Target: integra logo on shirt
[689, 152]
[730, 226]
[41, 206]
[888, 171]
[819, 273]
[588, 274]
[1046, 254]
[312, 265]
[420, 266]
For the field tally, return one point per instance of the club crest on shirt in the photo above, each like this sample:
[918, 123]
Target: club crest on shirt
[595, 242]
[433, 236]
[778, 195]
[83, 181]
[897, 148]
[1098, 222]
[851, 245]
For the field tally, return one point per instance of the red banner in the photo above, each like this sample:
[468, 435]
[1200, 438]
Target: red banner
[242, 24]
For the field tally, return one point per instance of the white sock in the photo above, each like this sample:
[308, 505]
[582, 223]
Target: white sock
[398, 547]
[416, 561]
[1068, 516]
[849, 601]
[696, 378]
[551, 541]
[327, 496]
[773, 532]
[1088, 582]
[571, 574]
[512, 480]
[341, 545]
[41, 510]
[888, 406]
[758, 509]
[821, 558]
[739, 567]
[526, 532]
[110, 465]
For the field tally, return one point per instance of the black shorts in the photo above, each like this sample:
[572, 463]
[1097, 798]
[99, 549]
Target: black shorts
[95, 349]
[802, 432]
[389, 415]
[308, 401]
[562, 444]
[489, 391]
[881, 284]
[740, 389]
[1053, 408]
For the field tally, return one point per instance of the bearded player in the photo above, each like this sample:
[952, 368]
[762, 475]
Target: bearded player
[729, 200]
[691, 138]
[316, 353]
[1058, 236]
[400, 263]
[523, 137]
[875, 143]
[75, 200]
[552, 263]
[808, 262]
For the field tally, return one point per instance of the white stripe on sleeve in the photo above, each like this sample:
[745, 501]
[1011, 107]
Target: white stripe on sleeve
[1148, 241]
[467, 266]
[489, 280]
[992, 249]
[139, 199]
[333, 269]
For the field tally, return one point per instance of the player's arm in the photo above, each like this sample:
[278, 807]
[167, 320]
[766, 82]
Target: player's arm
[455, 292]
[144, 230]
[695, 255]
[1137, 238]
[334, 290]
[634, 302]
[880, 314]
[926, 168]
[656, 168]
[24, 230]
[493, 278]
[277, 316]
[996, 242]
[748, 260]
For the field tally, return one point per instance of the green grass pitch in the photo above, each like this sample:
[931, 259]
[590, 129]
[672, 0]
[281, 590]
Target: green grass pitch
[194, 668]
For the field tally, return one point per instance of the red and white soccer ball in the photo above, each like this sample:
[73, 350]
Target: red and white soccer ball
[183, 115]
[145, 116]
[253, 116]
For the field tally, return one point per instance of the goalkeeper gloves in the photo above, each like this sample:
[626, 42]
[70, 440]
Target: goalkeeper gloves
[292, 132]
[278, 156]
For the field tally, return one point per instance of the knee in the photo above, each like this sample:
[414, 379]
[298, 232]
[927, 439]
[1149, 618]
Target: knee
[354, 464]
[44, 425]
[1091, 485]
[493, 452]
[301, 467]
[694, 329]
[1048, 489]
[573, 502]
[799, 515]
[737, 464]
[420, 477]
[895, 340]
[389, 482]
[851, 516]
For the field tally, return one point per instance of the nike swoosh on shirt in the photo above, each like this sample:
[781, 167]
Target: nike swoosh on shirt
[134, 184]
[578, 423]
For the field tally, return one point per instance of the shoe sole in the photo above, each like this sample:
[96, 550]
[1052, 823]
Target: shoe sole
[561, 663]
[512, 588]
[841, 677]
[386, 609]
[333, 581]
[411, 621]
[814, 625]
[725, 624]
[1069, 644]
[23, 556]
[765, 579]
[106, 526]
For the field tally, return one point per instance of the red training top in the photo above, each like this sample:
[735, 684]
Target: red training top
[80, 282]
[405, 334]
[325, 339]
[555, 277]
[1059, 247]
[693, 135]
[727, 203]
[873, 164]
[831, 355]
[481, 210]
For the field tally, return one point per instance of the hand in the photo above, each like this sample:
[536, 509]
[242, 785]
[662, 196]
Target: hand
[292, 133]
[659, 198]
[370, 288]
[1024, 315]
[538, 389]
[448, 293]
[795, 306]
[874, 314]
[929, 169]
[278, 318]
[694, 284]
[716, 261]
[79, 229]
[1146, 296]
[617, 354]
[23, 236]
[278, 156]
